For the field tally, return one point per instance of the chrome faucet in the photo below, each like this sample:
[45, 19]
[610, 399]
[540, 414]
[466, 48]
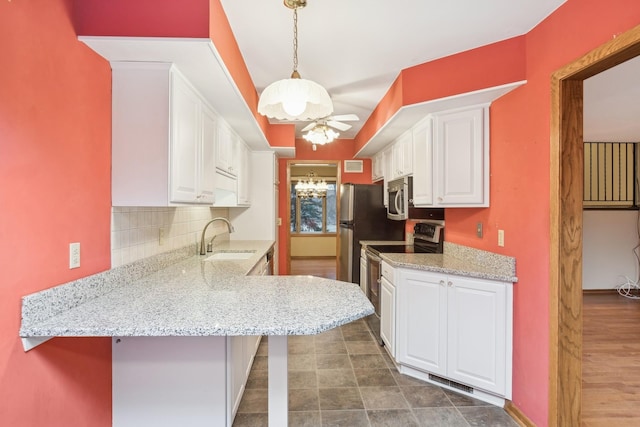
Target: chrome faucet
[203, 249]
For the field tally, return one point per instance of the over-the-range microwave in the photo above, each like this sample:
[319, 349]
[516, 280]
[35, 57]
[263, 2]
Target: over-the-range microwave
[400, 202]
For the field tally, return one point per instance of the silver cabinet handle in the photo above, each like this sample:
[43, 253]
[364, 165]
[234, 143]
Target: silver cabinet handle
[441, 282]
[450, 283]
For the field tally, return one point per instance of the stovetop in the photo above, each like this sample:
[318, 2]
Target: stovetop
[427, 239]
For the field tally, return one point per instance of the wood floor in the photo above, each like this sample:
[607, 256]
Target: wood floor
[320, 267]
[611, 361]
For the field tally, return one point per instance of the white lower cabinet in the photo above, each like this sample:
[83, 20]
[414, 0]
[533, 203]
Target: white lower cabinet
[364, 277]
[388, 307]
[456, 327]
[241, 351]
[387, 315]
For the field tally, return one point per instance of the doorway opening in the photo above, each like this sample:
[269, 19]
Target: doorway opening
[312, 221]
[565, 284]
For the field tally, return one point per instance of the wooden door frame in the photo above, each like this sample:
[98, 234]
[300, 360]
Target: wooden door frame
[338, 165]
[565, 255]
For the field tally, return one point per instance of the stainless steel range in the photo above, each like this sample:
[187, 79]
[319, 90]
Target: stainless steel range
[428, 237]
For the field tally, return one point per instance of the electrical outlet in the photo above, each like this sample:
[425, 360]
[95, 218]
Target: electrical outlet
[500, 237]
[479, 230]
[160, 236]
[279, 222]
[74, 255]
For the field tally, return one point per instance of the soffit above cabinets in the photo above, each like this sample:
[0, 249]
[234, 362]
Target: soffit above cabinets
[407, 116]
[200, 63]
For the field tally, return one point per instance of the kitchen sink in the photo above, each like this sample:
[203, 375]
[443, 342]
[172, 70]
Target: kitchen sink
[230, 256]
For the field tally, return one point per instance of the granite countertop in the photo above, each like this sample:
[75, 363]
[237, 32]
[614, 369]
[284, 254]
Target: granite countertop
[193, 297]
[459, 260]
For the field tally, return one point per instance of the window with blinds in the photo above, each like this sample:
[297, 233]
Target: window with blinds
[610, 175]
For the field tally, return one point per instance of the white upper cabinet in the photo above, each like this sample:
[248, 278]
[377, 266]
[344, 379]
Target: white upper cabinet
[192, 146]
[451, 159]
[402, 152]
[226, 150]
[387, 166]
[461, 153]
[244, 174]
[377, 167]
[162, 139]
[423, 158]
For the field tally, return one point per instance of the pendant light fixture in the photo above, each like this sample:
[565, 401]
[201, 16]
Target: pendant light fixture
[295, 98]
[311, 189]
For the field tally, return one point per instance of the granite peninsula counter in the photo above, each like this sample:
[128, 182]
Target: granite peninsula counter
[179, 311]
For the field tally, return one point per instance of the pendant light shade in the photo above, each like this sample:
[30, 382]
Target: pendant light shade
[295, 98]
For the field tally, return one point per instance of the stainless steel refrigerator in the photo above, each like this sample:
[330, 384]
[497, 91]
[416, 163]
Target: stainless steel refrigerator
[362, 217]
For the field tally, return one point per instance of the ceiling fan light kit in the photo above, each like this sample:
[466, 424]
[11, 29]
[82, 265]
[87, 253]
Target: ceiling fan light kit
[295, 98]
[320, 134]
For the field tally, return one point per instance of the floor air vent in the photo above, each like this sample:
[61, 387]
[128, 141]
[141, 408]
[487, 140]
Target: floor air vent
[450, 383]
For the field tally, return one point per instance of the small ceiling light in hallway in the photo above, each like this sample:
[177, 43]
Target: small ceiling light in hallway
[295, 98]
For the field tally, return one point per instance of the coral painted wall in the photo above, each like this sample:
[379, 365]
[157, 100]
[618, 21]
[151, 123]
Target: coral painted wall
[55, 139]
[520, 129]
[340, 149]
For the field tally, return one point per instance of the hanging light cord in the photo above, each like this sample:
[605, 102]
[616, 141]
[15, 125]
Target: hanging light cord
[295, 74]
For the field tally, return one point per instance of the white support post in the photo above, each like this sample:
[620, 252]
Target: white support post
[278, 386]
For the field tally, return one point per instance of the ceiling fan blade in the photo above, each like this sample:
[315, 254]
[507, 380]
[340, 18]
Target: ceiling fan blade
[308, 127]
[338, 125]
[345, 118]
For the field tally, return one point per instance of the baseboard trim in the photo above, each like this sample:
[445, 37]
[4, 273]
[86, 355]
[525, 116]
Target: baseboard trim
[599, 291]
[515, 413]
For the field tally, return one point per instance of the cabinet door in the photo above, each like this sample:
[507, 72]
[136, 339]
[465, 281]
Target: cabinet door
[207, 175]
[225, 149]
[423, 163]
[377, 167]
[387, 315]
[402, 152]
[477, 317]
[185, 142]
[236, 374]
[244, 174]
[422, 320]
[363, 275]
[461, 155]
[387, 168]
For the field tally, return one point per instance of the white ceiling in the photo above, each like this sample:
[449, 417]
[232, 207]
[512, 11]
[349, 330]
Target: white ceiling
[356, 48]
[612, 104]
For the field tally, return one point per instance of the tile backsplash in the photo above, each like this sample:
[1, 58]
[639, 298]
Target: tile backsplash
[141, 232]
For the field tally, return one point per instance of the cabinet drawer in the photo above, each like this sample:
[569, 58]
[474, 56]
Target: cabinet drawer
[387, 272]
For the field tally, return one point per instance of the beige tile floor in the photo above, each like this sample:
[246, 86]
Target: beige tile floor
[343, 378]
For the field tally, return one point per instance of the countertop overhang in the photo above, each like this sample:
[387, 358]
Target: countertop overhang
[194, 297]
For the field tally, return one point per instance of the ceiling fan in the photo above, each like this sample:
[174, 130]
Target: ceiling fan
[333, 121]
